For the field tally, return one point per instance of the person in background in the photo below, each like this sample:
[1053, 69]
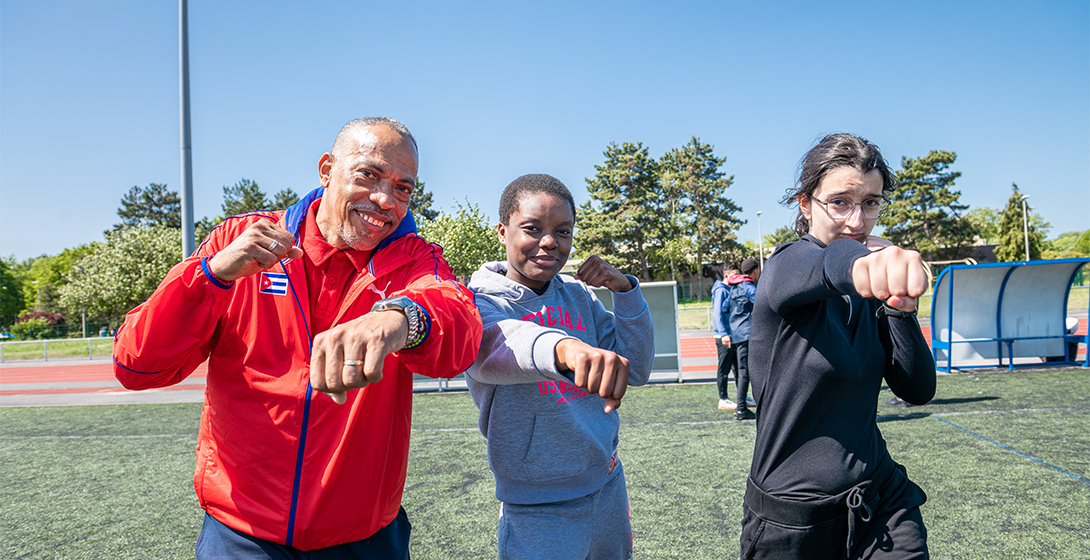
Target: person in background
[721, 333]
[336, 294]
[553, 367]
[835, 316]
[743, 290]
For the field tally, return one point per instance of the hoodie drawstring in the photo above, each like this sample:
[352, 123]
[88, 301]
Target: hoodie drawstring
[856, 506]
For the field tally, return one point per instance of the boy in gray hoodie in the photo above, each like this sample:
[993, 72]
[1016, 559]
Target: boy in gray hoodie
[552, 369]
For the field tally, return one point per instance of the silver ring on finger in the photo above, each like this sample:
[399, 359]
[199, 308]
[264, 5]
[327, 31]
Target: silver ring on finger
[353, 362]
[274, 245]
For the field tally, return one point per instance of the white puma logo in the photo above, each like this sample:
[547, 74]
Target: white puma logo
[381, 293]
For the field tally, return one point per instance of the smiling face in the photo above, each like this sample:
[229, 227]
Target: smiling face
[538, 237]
[846, 184]
[368, 183]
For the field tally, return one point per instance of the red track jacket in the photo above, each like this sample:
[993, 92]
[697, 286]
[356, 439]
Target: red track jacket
[274, 460]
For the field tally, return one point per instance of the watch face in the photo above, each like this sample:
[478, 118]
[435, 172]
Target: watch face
[399, 302]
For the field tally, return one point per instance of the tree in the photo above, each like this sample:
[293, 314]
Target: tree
[468, 238]
[284, 199]
[1012, 232]
[421, 203]
[50, 273]
[38, 325]
[243, 197]
[924, 212]
[694, 189]
[783, 234]
[203, 227]
[11, 292]
[1082, 246]
[620, 222]
[121, 272]
[1068, 245]
[155, 205]
[246, 196]
[986, 223]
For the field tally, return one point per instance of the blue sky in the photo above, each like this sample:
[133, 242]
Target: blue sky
[493, 90]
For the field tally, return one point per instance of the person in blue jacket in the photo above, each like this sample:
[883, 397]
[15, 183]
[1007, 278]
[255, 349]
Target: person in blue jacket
[724, 350]
[743, 290]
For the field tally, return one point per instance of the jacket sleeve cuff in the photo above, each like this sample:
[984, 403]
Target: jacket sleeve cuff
[840, 257]
[544, 353]
[212, 277]
[631, 303]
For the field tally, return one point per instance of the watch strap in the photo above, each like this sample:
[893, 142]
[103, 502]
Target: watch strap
[416, 326]
[415, 314]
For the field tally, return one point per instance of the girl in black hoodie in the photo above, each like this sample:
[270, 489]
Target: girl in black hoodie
[833, 317]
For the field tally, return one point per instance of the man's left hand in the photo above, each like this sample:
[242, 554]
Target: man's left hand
[350, 356]
[598, 273]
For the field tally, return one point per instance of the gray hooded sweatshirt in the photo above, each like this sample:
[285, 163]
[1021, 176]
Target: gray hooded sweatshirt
[549, 440]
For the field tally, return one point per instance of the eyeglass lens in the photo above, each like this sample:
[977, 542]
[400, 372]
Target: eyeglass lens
[840, 208]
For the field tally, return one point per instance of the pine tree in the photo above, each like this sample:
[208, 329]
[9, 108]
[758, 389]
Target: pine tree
[703, 221]
[242, 197]
[1012, 231]
[155, 206]
[283, 200]
[620, 222]
[421, 203]
[924, 212]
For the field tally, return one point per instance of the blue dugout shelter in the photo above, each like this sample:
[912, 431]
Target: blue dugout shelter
[1014, 309]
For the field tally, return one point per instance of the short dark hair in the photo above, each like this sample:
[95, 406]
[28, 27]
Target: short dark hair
[833, 152]
[530, 184]
[355, 124]
[749, 265]
[730, 269]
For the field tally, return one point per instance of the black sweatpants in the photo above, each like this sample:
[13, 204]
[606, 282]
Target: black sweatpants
[885, 524]
[741, 377]
[726, 363]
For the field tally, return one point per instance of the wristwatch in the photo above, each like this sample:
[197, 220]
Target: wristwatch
[413, 312]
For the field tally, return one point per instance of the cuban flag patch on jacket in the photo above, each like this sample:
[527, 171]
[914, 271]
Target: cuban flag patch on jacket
[274, 283]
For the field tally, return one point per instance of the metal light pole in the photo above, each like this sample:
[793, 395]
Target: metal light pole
[760, 240]
[188, 245]
[1025, 223]
[38, 298]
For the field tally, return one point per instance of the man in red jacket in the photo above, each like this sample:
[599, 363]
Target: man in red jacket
[336, 294]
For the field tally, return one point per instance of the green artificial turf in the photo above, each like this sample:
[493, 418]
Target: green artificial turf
[99, 482]
[116, 482]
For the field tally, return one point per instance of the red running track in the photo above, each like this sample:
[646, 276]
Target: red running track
[705, 347]
[103, 372]
[78, 373]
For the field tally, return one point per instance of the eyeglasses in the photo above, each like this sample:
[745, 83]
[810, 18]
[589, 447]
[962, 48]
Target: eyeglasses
[842, 208]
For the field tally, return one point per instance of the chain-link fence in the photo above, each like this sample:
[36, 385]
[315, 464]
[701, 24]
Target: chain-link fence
[38, 330]
[690, 318]
[51, 349]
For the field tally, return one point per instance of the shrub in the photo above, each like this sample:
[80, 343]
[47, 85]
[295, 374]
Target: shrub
[38, 328]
